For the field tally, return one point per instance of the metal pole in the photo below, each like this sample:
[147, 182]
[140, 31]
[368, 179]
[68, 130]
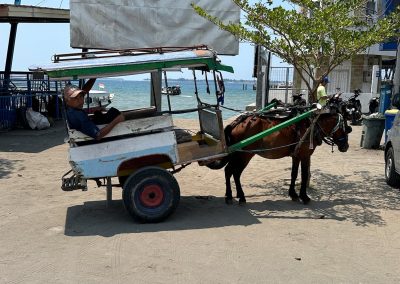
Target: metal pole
[156, 82]
[166, 88]
[396, 79]
[10, 55]
[269, 131]
[260, 77]
[287, 85]
[267, 81]
[109, 193]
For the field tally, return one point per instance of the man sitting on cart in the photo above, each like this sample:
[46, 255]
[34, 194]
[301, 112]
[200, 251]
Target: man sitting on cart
[78, 119]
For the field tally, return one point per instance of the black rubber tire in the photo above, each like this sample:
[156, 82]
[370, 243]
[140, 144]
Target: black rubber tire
[151, 194]
[391, 176]
[122, 180]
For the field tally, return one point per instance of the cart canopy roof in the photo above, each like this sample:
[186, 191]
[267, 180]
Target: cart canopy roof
[100, 64]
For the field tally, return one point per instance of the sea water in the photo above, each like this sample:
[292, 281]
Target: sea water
[136, 94]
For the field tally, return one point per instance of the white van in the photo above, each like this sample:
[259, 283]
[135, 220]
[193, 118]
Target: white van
[392, 149]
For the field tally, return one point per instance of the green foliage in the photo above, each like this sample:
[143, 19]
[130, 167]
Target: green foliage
[313, 37]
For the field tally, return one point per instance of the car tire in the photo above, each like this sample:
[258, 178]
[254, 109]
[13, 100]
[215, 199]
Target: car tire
[391, 176]
[151, 194]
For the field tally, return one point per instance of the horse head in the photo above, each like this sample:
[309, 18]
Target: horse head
[334, 130]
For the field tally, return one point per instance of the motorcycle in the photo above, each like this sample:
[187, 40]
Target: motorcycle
[373, 105]
[354, 108]
[335, 102]
[298, 100]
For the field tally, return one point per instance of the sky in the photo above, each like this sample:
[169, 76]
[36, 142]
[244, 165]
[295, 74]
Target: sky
[37, 43]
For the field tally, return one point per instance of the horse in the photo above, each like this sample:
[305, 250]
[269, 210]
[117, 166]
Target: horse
[293, 140]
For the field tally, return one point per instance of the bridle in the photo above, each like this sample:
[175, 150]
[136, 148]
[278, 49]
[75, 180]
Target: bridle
[328, 139]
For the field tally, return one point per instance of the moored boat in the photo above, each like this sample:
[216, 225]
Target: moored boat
[172, 91]
[97, 100]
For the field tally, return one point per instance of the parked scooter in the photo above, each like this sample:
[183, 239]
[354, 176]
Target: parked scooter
[354, 108]
[373, 105]
[298, 100]
[335, 102]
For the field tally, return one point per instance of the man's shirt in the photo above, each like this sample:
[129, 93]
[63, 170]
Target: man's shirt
[79, 120]
[321, 95]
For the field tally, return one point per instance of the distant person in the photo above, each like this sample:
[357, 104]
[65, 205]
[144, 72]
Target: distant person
[78, 119]
[322, 97]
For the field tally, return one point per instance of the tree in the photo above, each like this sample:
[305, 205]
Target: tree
[314, 36]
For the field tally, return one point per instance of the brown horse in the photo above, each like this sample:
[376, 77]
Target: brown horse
[291, 141]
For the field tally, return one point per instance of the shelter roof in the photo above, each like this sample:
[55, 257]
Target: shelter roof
[98, 64]
[32, 14]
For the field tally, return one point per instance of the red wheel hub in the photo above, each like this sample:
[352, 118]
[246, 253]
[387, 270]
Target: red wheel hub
[152, 195]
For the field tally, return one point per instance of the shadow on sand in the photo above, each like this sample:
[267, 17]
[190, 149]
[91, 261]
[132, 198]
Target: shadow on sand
[9, 166]
[92, 218]
[360, 202]
[32, 141]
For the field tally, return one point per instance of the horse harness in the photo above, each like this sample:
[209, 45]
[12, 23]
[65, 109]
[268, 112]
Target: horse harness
[317, 132]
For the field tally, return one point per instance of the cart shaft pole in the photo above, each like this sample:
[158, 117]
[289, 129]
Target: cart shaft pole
[267, 107]
[269, 131]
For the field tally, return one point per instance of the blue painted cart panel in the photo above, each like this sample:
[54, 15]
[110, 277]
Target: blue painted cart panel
[103, 159]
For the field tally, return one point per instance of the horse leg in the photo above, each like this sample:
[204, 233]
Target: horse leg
[305, 175]
[295, 171]
[235, 167]
[228, 192]
[239, 191]
[241, 162]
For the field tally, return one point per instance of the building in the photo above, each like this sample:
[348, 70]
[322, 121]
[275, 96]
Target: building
[367, 71]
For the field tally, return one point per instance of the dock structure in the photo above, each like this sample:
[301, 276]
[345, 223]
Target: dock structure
[15, 14]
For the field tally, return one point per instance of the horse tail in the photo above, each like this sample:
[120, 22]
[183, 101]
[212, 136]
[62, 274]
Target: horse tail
[219, 164]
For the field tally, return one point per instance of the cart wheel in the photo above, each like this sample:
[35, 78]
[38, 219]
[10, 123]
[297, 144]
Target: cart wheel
[151, 194]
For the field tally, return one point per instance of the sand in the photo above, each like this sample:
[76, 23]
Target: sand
[349, 233]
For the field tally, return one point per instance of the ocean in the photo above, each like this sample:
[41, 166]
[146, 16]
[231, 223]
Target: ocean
[136, 94]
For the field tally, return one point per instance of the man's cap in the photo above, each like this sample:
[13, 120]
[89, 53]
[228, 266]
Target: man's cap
[325, 79]
[72, 91]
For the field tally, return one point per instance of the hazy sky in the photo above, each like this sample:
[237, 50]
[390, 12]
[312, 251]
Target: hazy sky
[36, 43]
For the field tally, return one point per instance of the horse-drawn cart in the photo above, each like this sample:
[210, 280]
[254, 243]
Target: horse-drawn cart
[146, 149]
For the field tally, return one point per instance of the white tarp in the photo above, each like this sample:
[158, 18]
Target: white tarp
[120, 24]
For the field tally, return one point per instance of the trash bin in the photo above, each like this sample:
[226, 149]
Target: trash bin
[385, 96]
[389, 118]
[372, 132]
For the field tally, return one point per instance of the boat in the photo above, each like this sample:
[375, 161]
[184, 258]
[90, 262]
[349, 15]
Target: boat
[172, 91]
[98, 100]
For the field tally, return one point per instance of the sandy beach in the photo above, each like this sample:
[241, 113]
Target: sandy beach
[349, 233]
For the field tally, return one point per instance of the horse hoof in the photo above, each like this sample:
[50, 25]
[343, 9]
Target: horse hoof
[242, 202]
[229, 201]
[294, 197]
[306, 200]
